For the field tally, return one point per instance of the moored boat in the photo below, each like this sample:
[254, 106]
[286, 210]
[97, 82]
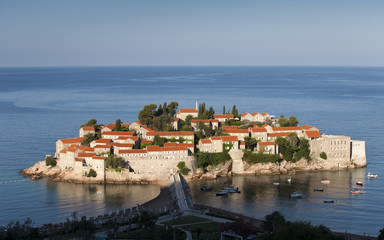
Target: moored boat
[296, 195]
[371, 175]
[276, 183]
[329, 201]
[360, 183]
[232, 189]
[289, 180]
[205, 188]
[357, 192]
[222, 193]
[318, 190]
[325, 181]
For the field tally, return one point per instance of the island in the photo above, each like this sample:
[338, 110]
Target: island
[198, 143]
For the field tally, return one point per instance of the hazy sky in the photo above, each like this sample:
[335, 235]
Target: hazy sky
[206, 32]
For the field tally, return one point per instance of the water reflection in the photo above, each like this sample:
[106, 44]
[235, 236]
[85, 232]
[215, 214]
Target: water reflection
[259, 196]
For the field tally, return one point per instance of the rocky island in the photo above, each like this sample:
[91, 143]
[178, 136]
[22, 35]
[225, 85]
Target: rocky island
[197, 143]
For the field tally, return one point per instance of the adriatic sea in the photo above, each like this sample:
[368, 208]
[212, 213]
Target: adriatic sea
[38, 106]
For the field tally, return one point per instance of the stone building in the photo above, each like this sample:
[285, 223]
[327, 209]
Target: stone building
[184, 112]
[86, 130]
[188, 136]
[214, 123]
[223, 117]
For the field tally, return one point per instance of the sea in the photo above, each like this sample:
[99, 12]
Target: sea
[40, 105]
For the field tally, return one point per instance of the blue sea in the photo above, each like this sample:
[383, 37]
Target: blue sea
[40, 105]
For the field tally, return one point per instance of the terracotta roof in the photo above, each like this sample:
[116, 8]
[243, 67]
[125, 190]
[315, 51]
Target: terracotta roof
[206, 141]
[103, 140]
[266, 143]
[229, 138]
[254, 113]
[282, 134]
[265, 125]
[312, 134]
[175, 133]
[146, 141]
[98, 157]
[79, 159]
[138, 122]
[147, 128]
[156, 148]
[86, 155]
[244, 114]
[133, 151]
[175, 119]
[223, 116]
[125, 124]
[72, 140]
[86, 149]
[103, 146]
[264, 114]
[117, 133]
[242, 143]
[236, 131]
[111, 126]
[106, 127]
[286, 128]
[216, 138]
[88, 128]
[188, 110]
[230, 127]
[258, 129]
[123, 145]
[306, 127]
[63, 151]
[173, 144]
[134, 138]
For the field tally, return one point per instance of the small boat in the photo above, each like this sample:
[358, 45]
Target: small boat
[276, 183]
[360, 183]
[318, 190]
[325, 181]
[289, 180]
[329, 201]
[370, 175]
[222, 193]
[296, 195]
[232, 189]
[206, 188]
[357, 192]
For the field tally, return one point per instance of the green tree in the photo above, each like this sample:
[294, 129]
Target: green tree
[323, 155]
[114, 161]
[183, 169]
[160, 110]
[224, 109]
[250, 143]
[188, 120]
[274, 222]
[117, 125]
[157, 140]
[89, 138]
[172, 107]
[91, 123]
[147, 113]
[290, 122]
[381, 235]
[235, 112]
[50, 161]
[211, 112]
[92, 173]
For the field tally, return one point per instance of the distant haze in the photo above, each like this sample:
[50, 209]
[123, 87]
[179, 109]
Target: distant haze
[214, 32]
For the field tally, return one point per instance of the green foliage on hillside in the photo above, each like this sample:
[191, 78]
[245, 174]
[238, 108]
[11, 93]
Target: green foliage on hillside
[232, 122]
[50, 161]
[183, 169]
[253, 158]
[250, 143]
[159, 118]
[113, 161]
[91, 123]
[323, 155]
[235, 112]
[179, 140]
[290, 122]
[293, 148]
[205, 159]
[89, 138]
[157, 140]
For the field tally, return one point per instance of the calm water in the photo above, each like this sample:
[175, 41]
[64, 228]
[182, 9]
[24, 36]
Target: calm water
[40, 105]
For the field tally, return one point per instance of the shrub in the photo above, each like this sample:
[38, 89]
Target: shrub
[50, 161]
[253, 158]
[323, 155]
[183, 169]
[213, 159]
[92, 173]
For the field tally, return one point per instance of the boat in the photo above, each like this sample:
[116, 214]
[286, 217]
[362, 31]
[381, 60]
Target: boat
[325, 181]
[206, 188]
[318, 190]
[329, 201]
[357, 192]
[289, 180]
[296, 195]
[232, 189]
[276, 183]
[370, 175]
[360, 183]
[222, 193]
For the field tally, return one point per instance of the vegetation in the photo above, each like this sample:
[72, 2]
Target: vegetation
[50, 161]
[381, 235]
[89, 138]
[157, 140]
[17, 230]
[238, 227]
[250, 143]
[323, 155]
[290, 122]
[232, 122]
[179, 140]
[158, 118]
[235, 112]
[260, 157]
[213, 159]
[113, 161]
[183, 169]
[204, 113]
[91, 123]
[92, 173]
[293, 148]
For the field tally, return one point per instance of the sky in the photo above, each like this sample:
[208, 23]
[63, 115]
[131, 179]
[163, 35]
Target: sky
[199, 32]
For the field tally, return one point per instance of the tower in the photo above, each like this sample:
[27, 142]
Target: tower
[197, 108]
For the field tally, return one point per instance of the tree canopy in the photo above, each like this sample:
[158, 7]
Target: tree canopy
[290, 122]
[91, 123]
[159, 118]
[293, 148]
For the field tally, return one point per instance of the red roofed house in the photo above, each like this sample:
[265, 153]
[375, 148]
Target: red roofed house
[206, 145]
[100, 141]
[223, 117]
[268, 147]
[116, 134]
[188, 136]
[242, 145]
[214, 123]
[135, 126]
[309, 128]
[184, 112]
[61, 144]
[86, 130]
[240, 133]
[259, 133]
[312, 134]
[143, 130]
[106, 129]
[190, 146]
[298, 130]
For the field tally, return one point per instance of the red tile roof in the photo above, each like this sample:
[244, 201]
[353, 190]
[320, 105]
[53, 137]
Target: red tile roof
[103, 140]
[188, 110]
[72, 140]
[175, 119]
[312, 134]
[111, 126]
[86, 149]
[244, 114]
[266, 143]
[173, 144]
[306, 127]
[229, 138]
[103, 146]
[265, 125]
[254, 113]
[258, 129]
[138, 122]
[286, 128]
[206, 141]
[133, 151]
[223, 116]
[88, 128]
[216, 138]
[156, 148]
[264, 114]
[175, 133]
[79, 159]
[123, 145]
[147, 128]
[242, 143]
